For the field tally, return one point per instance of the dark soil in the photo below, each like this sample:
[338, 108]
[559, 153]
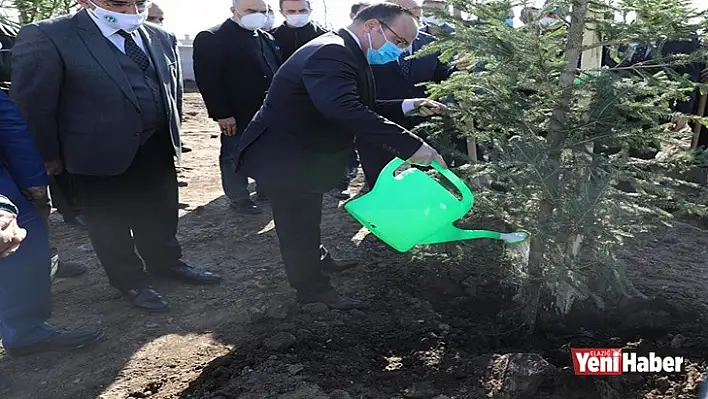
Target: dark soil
[431, 333]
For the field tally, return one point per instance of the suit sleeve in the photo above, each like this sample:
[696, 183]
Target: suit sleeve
[17, 147]
[37, 75]
[330, 80]
[391, 109]
[208, 75]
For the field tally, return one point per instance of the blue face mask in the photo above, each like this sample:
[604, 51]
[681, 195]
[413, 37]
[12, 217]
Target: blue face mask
[389, 52]
[510, 21]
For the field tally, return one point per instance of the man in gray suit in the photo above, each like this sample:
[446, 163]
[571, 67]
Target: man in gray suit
[102, 93]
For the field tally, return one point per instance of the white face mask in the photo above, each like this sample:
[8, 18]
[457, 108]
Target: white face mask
[432, 20]
[270, 21]
[298, 20]
[253, 21]
[127, 22]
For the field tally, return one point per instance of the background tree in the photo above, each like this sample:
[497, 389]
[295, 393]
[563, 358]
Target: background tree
[569, 162]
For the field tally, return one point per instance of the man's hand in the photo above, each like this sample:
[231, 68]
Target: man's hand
[11, 235]
[228, 126]
[35, 193]
[54, 167]
[425, 107]
[426, 155]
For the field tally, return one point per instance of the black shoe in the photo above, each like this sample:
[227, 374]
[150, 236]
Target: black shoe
[190, 275]
[335, 266]
[185, 148]
[146, 298]
[340, 194]
[246, 206]
[69, 269]
[58, 342]
[333, 300]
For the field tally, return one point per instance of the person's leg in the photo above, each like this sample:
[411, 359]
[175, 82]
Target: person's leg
[25, 285]
[297, 218]
[58, 267]
[373, 160]
[25, 294]
[155, 217]
[234, 184]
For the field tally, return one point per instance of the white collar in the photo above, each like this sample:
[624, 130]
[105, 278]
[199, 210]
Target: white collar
[356, 39]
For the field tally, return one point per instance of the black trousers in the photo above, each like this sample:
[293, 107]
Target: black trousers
[60, 189]
[135, 210]
[297, 218]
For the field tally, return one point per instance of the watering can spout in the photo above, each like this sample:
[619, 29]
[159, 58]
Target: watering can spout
[453, 233]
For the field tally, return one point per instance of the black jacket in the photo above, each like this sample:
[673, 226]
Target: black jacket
[320, 99]
[230, 70]
[290, 39]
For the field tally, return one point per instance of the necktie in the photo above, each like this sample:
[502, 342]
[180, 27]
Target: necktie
[405, 64]
[134, 52]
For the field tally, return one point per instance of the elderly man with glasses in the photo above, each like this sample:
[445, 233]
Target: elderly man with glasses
[102, 93]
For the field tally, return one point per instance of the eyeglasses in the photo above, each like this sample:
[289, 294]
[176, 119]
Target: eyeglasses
[402, 43]
[140, 4]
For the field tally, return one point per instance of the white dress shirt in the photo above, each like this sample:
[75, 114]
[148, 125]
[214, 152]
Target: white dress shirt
[111, 34]
[408, 105]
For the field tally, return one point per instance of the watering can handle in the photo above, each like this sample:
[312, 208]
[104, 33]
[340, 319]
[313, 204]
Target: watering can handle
[467, 196]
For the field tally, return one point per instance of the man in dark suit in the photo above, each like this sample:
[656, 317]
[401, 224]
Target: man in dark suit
[299, 141]
[25, 287]
[102, 94]
[433, 25]
[399, 79]
[298, 27]
[234, 64]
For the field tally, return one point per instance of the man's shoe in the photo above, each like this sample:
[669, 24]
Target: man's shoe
[333, 300]
[60, 341]
[70, 269]
[335, 266]
[342, 194]
[190, 275]
[246, 206]
[146, 298]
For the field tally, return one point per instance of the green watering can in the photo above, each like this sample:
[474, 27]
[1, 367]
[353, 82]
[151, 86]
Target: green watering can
[413, 209]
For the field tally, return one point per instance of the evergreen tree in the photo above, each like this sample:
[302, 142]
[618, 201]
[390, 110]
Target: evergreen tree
[572, 151]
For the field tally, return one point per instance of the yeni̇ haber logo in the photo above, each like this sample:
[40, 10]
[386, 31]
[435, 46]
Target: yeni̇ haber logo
[616, 361]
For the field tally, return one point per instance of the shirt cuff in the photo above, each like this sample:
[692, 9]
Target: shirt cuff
[408, 106]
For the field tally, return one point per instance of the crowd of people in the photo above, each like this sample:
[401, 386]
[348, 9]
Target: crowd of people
[94, 113]
[93, 118]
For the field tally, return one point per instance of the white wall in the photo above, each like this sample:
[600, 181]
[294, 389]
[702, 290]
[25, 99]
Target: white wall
[185, 54]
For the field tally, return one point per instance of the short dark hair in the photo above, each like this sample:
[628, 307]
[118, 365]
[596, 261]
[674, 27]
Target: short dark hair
[384, 12]
[283, 1]
[358, 6]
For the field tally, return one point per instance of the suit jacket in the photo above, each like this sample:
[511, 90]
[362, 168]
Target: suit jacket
[21, 166]
[290, 39]
[230, 72]
[392, 84]
[321, 98]
[77, 100]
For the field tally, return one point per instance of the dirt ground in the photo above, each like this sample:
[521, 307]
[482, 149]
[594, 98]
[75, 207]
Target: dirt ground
[435, 330]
